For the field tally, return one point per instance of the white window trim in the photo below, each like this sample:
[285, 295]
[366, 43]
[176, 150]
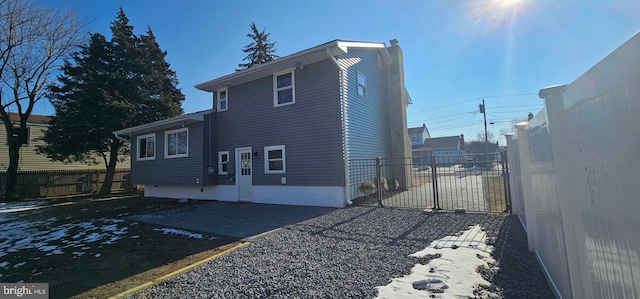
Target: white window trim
[276, 89]
[166, 144]
[366, 91]
[226, 91]
[220, 162]
[266, 159]
[155, 143]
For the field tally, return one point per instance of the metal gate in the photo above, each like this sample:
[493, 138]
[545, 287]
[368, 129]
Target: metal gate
[469, 182]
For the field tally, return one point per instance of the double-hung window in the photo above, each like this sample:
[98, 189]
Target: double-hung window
[362, 83]
[176, 143]
[146, 147]
[222, 99]
[275, 160]
[284, 90]
[223, 162]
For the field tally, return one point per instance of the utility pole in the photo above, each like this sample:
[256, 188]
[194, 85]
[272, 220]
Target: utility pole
[483, 110]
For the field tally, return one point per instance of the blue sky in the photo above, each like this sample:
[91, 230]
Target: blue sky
[455, 51]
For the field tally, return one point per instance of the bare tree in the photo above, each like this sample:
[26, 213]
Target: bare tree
[491, 137]
[33, 43]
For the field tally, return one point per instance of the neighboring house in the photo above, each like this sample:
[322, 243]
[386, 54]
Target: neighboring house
[447, 151]
[476, 150]
[282, 132]
[29, 159]
[418, 135]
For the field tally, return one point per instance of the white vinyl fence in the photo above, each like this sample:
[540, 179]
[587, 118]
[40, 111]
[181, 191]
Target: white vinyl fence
[575, 179]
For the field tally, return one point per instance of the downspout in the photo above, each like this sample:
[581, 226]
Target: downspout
[344, 127]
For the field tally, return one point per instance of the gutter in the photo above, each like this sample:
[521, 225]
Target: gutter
[125, 140]
[344, 127]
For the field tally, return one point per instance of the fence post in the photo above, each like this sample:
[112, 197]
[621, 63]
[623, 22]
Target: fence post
[506, 184]
[434, 183]
[379, 182]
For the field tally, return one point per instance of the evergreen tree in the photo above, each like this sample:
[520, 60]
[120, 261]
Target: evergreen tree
[109, 85]
[260, 50]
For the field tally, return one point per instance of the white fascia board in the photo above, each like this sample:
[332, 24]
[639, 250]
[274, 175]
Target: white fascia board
[192, 117]
[382, 48]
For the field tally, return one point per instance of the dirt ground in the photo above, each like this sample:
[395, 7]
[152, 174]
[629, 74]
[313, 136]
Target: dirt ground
[86, 248]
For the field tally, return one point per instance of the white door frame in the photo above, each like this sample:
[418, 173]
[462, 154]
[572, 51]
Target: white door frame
[242, 183]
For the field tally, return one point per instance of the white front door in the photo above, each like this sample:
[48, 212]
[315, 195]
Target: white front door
[243, 162]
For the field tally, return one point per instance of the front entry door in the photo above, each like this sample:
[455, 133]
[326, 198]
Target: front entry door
[243, 160]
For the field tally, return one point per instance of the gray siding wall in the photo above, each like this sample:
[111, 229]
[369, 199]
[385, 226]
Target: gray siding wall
[187, 171]
[310, 129]
[368, 128]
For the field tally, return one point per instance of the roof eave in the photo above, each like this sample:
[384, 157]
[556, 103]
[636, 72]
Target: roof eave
[186, 119]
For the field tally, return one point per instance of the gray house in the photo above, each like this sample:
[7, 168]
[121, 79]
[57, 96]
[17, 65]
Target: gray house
[282, 132]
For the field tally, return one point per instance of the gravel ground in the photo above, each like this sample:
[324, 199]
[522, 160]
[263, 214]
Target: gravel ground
[348, 252]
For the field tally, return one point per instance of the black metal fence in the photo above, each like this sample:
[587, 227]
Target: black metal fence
[470, 182]
[48, 183]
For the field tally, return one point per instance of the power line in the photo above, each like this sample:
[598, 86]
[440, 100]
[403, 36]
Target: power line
[441, 117]
[519, 106]
[474, 119]
[474, 99]
[514, 111]
[445, 106]
[511, 95]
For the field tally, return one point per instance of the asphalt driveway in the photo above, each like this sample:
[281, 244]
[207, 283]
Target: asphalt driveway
[238, 220]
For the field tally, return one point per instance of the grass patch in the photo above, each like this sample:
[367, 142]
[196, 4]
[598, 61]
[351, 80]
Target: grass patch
[87, 248]
[493, 188]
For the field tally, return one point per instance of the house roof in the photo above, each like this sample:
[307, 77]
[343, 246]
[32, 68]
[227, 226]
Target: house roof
[418, 130]
[184, 119]
[295, 60]
[32, 119]
[441, 142]
[481, 147]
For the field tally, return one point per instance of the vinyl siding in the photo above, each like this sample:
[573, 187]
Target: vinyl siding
[172, 171]
[367, 117]
[310, 129]
[30, 160]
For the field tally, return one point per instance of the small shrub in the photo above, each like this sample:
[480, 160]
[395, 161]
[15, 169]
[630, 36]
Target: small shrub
[393, 185]
[385, 185]
[367, 187]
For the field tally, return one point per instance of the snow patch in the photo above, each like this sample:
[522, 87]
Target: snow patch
[174, 231]
[23, 235]
[19, 206]
[18, 265]
[452, 275]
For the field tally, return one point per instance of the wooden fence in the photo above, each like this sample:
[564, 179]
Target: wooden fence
[49, 183]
